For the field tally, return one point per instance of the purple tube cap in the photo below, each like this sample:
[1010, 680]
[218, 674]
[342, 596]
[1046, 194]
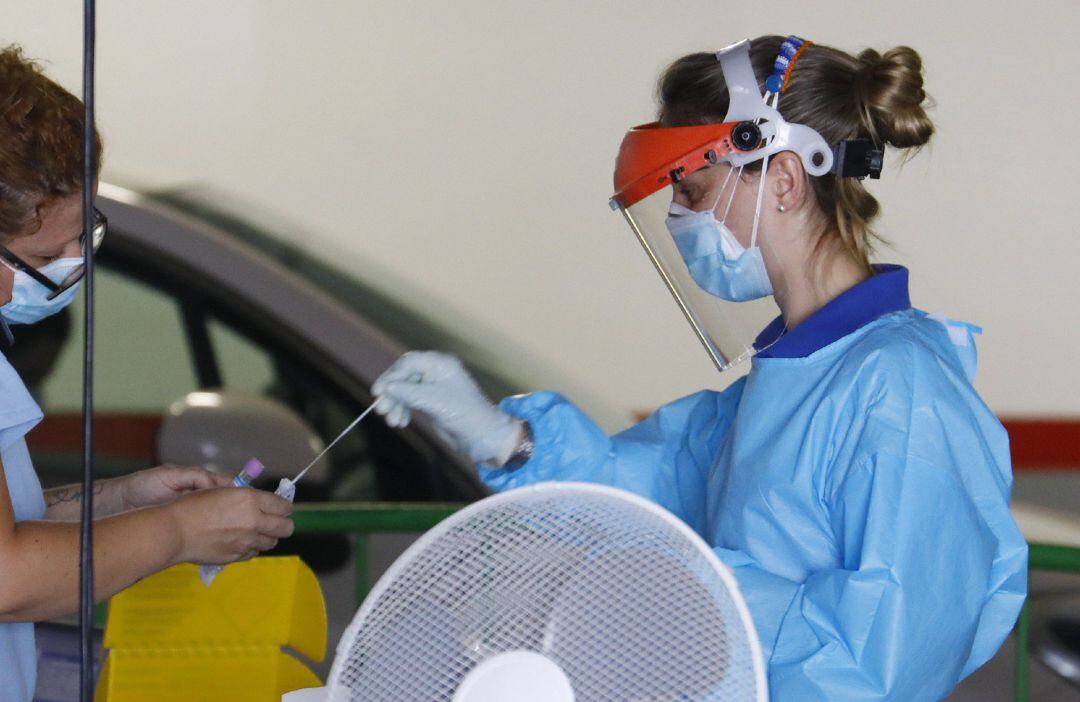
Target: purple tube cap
[254, 468]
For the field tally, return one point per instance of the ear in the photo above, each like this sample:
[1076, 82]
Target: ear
[789, 186]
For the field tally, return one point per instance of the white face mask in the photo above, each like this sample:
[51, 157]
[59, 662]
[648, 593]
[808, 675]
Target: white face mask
[718, 263]
[30, 301]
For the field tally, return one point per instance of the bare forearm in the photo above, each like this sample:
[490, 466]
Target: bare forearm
[65, 503]
[40, 561]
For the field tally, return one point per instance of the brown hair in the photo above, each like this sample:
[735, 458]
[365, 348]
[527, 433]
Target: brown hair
[869, 96]
[41, 143]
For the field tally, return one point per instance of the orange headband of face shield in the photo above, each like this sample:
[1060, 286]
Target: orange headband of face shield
[652, 157]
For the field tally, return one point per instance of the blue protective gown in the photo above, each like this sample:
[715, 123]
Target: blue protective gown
[854, 482]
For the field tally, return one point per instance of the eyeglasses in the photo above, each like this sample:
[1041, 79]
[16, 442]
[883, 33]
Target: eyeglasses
[97, 235]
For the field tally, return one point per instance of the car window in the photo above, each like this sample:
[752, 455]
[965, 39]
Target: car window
[244, 365]
[142, 362]
[156, 343]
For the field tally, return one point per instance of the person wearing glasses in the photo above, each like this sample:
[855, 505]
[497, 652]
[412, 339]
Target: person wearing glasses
[37, 294]
[145, 521]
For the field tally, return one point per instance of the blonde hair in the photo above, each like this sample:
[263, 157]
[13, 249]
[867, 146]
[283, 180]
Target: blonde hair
[876, 96]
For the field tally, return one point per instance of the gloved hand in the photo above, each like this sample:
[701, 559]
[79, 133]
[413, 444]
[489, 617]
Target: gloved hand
[438, 385]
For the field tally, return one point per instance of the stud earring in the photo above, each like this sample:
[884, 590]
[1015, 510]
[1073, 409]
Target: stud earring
[780, 207]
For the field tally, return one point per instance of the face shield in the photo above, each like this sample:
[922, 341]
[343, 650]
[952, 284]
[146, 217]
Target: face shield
[691, 203]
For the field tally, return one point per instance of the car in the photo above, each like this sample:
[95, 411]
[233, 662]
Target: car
[196, 294]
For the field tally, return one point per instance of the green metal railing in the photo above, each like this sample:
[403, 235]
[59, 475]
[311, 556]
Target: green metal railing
[362, 519]
[1046, 557]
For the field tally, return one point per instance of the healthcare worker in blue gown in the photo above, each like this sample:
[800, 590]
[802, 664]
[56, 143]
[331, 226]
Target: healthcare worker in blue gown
[854, 481]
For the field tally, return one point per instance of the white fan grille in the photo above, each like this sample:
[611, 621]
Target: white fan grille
[616, 592]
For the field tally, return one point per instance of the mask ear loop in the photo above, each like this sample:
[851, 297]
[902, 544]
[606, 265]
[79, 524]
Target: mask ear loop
[757, 207]
[720, 194]
[753, 236]
[764, 172]
[731, 198]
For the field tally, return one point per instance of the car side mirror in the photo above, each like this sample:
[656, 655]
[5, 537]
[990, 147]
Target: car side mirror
[221, 429]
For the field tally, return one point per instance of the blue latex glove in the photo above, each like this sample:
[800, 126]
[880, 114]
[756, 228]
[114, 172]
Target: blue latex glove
[438, 385]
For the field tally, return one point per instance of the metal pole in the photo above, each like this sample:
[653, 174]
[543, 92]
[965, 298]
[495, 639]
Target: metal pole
[1022, 658]
[86, 544]
[1050, 557]
[363, 575]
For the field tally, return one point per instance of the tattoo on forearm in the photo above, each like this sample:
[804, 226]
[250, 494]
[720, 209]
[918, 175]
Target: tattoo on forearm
[59, 495]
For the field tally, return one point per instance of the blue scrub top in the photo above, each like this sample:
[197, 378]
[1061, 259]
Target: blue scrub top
[18, 415]
[884, 292]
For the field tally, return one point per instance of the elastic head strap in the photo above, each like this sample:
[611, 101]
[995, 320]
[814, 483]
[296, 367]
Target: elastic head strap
[790, 51]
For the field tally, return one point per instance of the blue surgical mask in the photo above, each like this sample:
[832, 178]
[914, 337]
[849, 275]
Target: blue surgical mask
[717, 261]
[30, 301]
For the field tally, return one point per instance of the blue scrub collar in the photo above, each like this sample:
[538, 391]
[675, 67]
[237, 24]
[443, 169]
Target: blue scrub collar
[883, 293]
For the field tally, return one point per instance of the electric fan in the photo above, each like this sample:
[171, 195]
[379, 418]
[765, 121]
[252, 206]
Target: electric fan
[558, 592]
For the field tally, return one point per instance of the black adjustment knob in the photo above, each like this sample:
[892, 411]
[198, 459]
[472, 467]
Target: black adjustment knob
[746, 136]
[677, 174]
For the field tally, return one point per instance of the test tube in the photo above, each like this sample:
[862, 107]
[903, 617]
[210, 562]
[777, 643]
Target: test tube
[252, 469]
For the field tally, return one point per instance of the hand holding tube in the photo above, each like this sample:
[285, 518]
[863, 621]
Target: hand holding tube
[163, 484]
[438, 385]
[222, 525]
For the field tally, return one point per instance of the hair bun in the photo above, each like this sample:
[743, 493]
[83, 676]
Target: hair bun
[889, 91]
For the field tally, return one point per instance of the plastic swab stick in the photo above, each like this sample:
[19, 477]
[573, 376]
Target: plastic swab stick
[287, 488]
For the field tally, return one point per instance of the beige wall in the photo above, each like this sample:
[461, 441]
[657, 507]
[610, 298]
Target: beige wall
[467, 146]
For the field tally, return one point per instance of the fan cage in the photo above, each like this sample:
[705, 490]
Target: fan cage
[622, 595]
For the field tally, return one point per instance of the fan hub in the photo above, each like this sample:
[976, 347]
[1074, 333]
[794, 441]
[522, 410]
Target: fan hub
[522, 676]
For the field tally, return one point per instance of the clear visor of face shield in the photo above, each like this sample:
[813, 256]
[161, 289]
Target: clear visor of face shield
[717, 279]
[697, 211]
